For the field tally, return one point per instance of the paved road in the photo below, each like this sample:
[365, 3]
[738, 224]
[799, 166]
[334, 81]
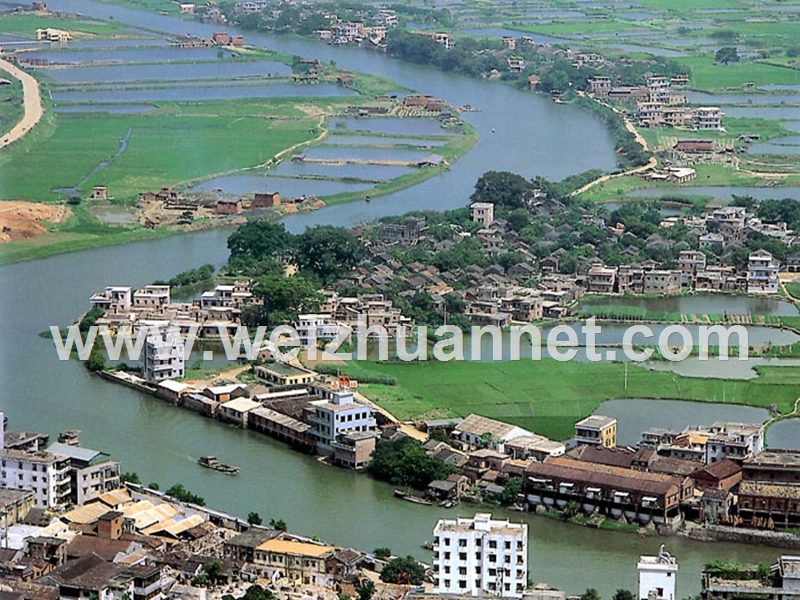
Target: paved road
[33, 104]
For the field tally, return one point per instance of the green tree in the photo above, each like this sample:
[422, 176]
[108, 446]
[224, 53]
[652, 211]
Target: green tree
[328, 252]
[96, 362]
[409, 565]
[259, 240]
[278, 524]
[405, 462]
[590, 594]
[622, 594]
[283, 298]
[365, 588]
[502, 188]
[254, 518]
[130, 477]
[179, 492]
[727, 54]
[213, 570]
[382, 553]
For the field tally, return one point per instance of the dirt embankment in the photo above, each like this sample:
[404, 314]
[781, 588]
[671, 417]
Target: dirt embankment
[23, 220]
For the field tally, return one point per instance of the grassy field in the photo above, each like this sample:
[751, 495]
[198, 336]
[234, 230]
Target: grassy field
[11, 109]
[181, 144]
[549, 396]
[709, 76]
[26, 25]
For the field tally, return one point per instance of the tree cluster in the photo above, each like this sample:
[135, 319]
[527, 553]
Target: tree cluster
[404, 462]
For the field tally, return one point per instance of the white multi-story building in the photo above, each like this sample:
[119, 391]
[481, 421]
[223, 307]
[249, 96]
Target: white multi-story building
[152, 297]
[480, 556]
[339, 414]
[116, 299]
[705, 118]
[316, 326]
[657, 576]
[762, 272]
[735, 441]
[46, 474]
[162, 358]
[92, 472]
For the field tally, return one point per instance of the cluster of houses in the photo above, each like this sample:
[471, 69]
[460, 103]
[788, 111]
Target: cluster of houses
[719, 474]
[762, 276]
[55, 476]
[658, 103]
[295, 405]
[168, 323]
[136, 543]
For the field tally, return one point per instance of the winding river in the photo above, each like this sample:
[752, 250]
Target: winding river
[532, 136]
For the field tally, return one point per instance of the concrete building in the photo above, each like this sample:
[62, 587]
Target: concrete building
[597, 430]
[482, 212]
[47, 475]
[657, 576]
[162, 358]
[690, 262]
[762, 272]
[707, 118]
[301, 562]
[480, 556]
[660, 281]
[115, 299]
[92, 473]
[476, 431]
[600, 279]
[734, 441]
[342, 413]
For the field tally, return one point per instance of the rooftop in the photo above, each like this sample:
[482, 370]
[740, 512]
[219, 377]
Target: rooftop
[775, 458]
[595, 422]
[298, 548]
[78, 453]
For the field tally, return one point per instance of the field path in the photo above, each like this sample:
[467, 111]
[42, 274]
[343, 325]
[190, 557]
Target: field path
[641, 141]
[33, 104]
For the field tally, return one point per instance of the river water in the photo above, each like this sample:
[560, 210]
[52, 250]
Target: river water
[162, 442]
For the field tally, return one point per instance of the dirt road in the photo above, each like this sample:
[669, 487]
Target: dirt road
[33, 104]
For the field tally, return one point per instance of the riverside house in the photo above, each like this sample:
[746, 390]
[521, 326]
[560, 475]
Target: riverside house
[614, 492]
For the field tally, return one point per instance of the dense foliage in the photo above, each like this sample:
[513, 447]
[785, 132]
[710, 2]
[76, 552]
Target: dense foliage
[404, 462]
[403, 570]
[180, 493]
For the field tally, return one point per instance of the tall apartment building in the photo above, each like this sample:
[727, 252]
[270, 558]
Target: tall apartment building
[47, 475]
[92, 473]
[162, 358]
[480, 556]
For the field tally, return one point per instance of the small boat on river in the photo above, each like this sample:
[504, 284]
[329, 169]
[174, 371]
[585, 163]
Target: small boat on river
[411, 498]
[211, 462]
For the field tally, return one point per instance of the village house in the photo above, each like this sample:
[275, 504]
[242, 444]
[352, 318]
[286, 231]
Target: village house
[266, 200]
[640, 497]
[476, 431]
[782, 582]
[228, 206]
[600, 279]
[284, 375]
[237, 411]
[598, 430]
[707, 118]
[301, 562]
[762, 273]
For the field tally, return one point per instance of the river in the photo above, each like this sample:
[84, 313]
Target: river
[162, 442]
